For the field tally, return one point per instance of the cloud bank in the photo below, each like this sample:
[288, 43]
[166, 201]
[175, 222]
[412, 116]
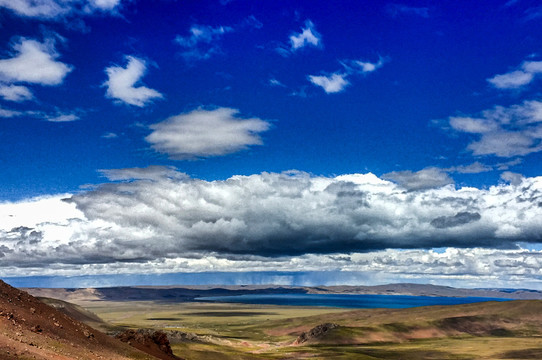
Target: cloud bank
[151, 215]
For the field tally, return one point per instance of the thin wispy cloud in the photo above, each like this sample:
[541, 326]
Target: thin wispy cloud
[57, 9]
[62, 117]
[504, 131]
[122, 83]
[110, 135]
[55, 116]
[204, 41]
[206, 133]
[474, 168]
[7, 113]
[338, 81]
[201, 44]
[396, 10]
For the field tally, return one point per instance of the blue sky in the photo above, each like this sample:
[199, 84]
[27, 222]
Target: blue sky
[167, 136]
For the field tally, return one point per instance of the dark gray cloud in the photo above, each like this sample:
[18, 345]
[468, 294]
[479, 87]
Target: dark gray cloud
[461, 218]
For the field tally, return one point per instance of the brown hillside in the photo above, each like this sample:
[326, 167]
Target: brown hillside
[30, 329]
[520, 318]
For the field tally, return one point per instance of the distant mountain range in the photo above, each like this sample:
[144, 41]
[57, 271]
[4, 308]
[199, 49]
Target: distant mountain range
[189, 293]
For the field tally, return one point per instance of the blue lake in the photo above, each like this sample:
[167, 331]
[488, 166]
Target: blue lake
[353, 301]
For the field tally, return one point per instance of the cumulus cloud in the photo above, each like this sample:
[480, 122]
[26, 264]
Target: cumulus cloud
[331, 84]
[57, 9]
[16, 93]
[517, 78]
[121, 83]
[34, 62]
[504, 131]
[428, 178]
[205, 133]
[159, 220]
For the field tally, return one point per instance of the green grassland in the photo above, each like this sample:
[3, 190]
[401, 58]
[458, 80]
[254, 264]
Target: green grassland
[492, 330]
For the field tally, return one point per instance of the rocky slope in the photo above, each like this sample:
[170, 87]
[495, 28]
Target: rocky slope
[30, 329]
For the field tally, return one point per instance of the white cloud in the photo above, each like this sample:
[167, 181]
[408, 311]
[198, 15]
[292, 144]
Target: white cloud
[473, 125]
[331, 84]
[160, 220]
[37, 8]
[518, 78]
[34, 62]
[511, 80]
[307, 37]
[504, 131]
[121, 83]
[533, 67]
[205, 133]
[57, 9]
[16, 93]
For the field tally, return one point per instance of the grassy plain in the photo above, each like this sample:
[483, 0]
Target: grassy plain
[510, 330]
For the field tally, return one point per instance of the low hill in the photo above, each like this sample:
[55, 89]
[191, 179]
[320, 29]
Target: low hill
[30, 329]
[520, 318]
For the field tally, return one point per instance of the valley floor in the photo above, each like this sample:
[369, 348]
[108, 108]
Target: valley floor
[492, 330]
